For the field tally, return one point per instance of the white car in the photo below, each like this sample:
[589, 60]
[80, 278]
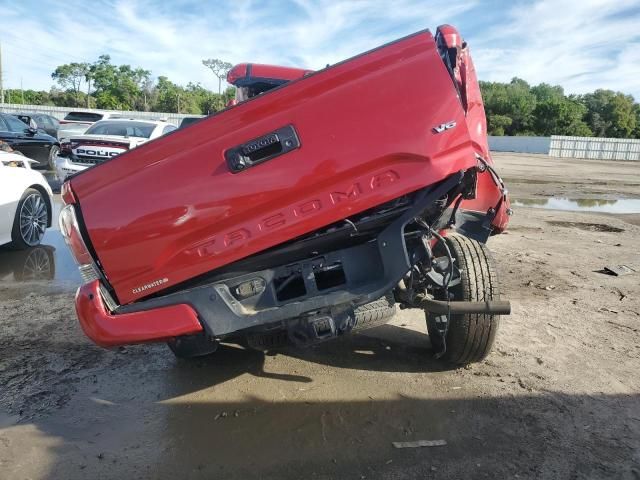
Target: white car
[25, 202]
[76, 123]
[104, 140]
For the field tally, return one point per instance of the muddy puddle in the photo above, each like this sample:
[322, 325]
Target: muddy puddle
[620, 206]
[50, 263]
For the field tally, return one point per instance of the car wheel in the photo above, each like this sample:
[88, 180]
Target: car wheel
[468, 338]
[30, 221]
[53, 153]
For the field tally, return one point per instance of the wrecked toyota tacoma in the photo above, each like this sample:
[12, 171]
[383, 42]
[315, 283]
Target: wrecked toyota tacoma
[312, 208]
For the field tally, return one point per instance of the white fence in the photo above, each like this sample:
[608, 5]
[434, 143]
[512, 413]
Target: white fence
[595, 148]
[60, 112]
[570, 147]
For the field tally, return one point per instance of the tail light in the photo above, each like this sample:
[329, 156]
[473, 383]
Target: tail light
[73, 238]
[66, 148]
[68, 197]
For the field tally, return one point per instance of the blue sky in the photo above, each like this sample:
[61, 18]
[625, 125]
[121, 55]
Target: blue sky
[579, 44]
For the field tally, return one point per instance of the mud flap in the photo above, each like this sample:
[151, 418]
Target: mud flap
[475, 225]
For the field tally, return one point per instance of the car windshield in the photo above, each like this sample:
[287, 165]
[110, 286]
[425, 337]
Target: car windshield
[83, 117]
[123, 129]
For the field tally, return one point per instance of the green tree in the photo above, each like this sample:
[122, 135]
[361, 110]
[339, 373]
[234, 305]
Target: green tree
[30, 97]
[146, 89]
[636, 132]
[522, 103]
[104, 80]
[67, 98]
[513, 108]
[71, 76]
[545, 92]
[610, 114]
[174, 98]
[119, 87]
[560, 116]
[513, 100]
[496, 124]
[219, 68]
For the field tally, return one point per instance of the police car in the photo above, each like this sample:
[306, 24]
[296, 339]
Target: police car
[104, 140]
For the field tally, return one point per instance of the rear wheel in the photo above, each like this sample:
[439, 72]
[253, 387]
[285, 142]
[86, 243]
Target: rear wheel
[469, 338]
[30, 221]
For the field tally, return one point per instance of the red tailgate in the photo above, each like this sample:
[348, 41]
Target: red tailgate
[171, 209]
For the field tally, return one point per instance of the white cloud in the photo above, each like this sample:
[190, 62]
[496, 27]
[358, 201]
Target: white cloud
[173, 41]
[580, 46]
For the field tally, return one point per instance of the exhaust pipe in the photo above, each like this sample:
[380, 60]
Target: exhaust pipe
[491, 307]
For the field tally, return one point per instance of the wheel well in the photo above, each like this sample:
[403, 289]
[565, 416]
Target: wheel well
[47, 199]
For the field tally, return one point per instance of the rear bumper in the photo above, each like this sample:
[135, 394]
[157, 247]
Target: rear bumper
[65, 167]
[154, 325]
[370, 270]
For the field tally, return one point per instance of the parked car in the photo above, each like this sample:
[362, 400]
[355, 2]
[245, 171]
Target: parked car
[186, 121]
[303, 213]
[25, 202]
[34, 144]
[77, 122]
[104, 140]
[40, 120]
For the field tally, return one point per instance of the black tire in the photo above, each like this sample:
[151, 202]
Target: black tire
[33, 207]
[375, 313]
[192, 346]
[369, 315]
[469, 338]
[52, 157]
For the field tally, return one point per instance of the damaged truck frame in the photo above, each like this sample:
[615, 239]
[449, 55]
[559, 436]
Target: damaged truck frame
[311, 208]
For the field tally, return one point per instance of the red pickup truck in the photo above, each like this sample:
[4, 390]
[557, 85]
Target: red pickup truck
[313, 207]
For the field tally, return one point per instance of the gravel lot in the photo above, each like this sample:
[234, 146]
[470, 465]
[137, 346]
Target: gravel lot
[559, 397]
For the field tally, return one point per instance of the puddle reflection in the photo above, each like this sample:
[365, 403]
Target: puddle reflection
[623, 205]
[50, 262]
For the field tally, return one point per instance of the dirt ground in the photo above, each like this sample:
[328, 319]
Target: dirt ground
[559, 397]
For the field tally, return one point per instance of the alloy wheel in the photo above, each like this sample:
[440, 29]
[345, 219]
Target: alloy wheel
[33, 219]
